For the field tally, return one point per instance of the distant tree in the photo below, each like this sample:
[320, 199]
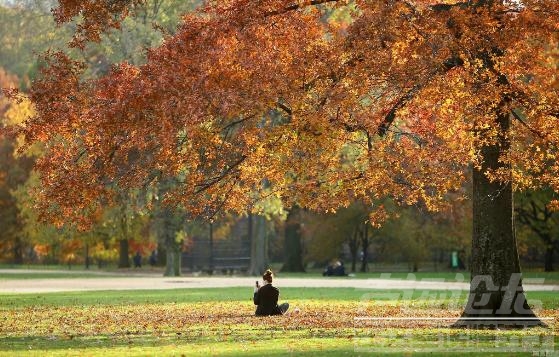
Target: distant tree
[323, 236]
[14, 171]
[257, 233]
[269, 217]
[293, 243]
[533, 212]
[326, 233]
[27, 28]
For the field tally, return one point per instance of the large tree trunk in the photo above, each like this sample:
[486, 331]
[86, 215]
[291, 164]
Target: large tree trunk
[353, 248]
[549, 250]
[293, 252]
[18, 251]
[173, 264]
[365, 257]
[211, 249]
[123, 260]
[365, 246]
[87, 260]
[364, 261]
[172, 247]
[172, 255]
[496, 295]
[258, 244]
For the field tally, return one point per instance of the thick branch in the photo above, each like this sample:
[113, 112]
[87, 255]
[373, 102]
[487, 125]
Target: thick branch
[389, 118]
[519, 118]
[530, 220]
[213, 181]
[285, 108]
[239, 121]
[447, 7]
[361, 128]
[297, 7]
[221, 204]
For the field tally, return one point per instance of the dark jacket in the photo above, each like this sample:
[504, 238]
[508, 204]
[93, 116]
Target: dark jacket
[267, 300]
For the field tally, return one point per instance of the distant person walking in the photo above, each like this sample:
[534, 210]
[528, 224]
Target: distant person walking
[137, 260]
[153, 258]
[266, 297]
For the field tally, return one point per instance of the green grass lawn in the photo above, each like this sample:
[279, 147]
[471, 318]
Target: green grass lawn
[51, 267]
[13, 272]
[59, 275]
[220, 321]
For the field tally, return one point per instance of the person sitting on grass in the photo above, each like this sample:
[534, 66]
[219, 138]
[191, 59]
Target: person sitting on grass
[335, 269]
[266, 297]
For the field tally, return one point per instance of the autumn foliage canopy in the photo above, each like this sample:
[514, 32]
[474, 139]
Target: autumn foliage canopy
[318, 103]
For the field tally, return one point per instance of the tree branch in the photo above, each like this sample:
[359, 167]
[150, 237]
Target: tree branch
[285, 108]
[297, 7]
[519, 118]
[235, 122]
[214, 180]
[389, 118]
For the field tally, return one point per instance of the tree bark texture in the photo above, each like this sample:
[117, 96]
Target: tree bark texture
[173, 265]
[258, 245]
[365, 242]
[353, 248]
[496, 295]
[123, 260]
[364, 262]
[293, 252]
[87, 260]
[172, 247]
[549, 253]
[18, 251]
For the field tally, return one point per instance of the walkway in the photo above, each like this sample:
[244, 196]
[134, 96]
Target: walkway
[150, 281]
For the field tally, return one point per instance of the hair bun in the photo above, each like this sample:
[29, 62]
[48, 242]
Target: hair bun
[268, 275]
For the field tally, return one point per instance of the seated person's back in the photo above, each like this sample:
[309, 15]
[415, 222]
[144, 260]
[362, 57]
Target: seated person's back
[266, 298]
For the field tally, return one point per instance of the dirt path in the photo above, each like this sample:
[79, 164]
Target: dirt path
[150, 281]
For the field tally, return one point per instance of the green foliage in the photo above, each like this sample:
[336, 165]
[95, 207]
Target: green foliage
[538, 228]
[14, 170]
[33, 228]
[27, 29]
[326, 233]
[410, 235]
[136, 35]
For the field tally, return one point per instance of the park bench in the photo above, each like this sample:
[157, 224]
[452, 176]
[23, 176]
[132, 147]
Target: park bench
[230, 265]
